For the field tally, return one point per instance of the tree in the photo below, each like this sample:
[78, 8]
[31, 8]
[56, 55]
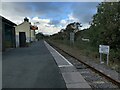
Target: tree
[39, 36]
[105, 27]
[72, 27]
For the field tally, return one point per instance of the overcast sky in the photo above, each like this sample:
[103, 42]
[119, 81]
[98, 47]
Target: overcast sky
[52, 16]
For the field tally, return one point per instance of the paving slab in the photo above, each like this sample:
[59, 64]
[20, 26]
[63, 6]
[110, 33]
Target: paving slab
[73, 77]
[68, 69]
[79, 85]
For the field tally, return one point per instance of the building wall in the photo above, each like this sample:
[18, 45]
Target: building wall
[3, 36]
[24, 27]
[0, 34]
[8, 35]
[32, 35]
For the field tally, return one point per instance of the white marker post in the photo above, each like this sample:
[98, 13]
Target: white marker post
[107, 59]
[101, 58]
[72, 36]
[105, 50]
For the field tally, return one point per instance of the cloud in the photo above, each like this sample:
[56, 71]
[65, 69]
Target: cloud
[31, 9]
[45, 27]
[84, 11]
[41, 21]
[70, 19]
[51, 16]
[54, 22]
[16, 9]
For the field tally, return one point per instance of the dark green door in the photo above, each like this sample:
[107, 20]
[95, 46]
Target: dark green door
[22, 39]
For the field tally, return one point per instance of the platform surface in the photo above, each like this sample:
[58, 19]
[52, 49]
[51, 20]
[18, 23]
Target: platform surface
[72, 77]
[31, 67]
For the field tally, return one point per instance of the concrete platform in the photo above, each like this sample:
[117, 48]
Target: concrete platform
[72, 77]
[31, 67]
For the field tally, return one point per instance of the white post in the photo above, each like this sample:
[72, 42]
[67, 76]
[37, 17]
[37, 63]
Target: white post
[72, 38]
[100, 58]
[107, 59]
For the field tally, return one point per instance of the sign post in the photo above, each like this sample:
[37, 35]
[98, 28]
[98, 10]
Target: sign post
[101, 58]
[105, 50]
[72, 35]
[107, 59]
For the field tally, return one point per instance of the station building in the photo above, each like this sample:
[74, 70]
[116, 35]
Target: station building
[25, 33]
[8, 34]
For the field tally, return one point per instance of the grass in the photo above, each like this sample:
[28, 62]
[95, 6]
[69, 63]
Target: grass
[86, 49]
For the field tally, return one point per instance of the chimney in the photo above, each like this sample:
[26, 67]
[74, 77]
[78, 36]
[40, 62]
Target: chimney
[26, 19]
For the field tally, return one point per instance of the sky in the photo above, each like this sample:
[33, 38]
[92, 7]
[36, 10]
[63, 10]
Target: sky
[50, 17]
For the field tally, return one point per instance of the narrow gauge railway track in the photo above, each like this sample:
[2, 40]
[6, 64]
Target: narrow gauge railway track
[94, 77]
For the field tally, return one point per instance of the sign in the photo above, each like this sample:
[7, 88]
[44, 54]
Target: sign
[104, 49]
[33, 27]
[72, 36]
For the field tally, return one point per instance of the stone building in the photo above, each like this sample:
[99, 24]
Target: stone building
[24, 33]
